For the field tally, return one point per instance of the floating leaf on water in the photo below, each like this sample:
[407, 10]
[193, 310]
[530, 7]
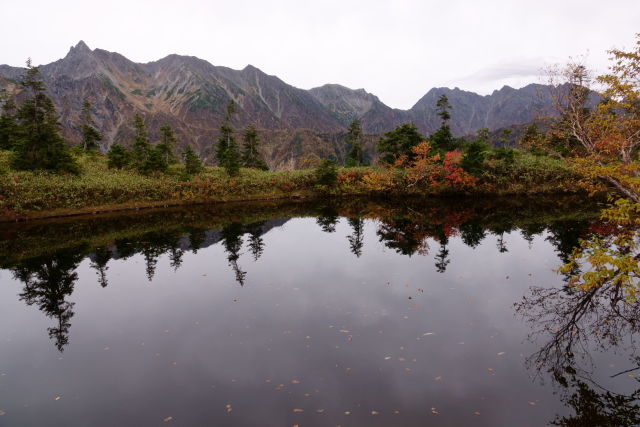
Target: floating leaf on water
[401, 359]
[438, 378]
[167, 419]
[347, 412]
[476, 413]
[57, 398]
[374, 412]
[320, 411]
[532, 403]
[344, 331]
[387, 358]
[295, 382]
[298, 410]
[2, 412]
[229, 408]
[426, 334]
[434, 411]
[501, 353]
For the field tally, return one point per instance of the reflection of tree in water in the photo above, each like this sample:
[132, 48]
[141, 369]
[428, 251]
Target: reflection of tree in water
[328, 219]
[472, 233]
[441, 258]
[255, 242]
[573, 323]
[530, 230]
[48, 281]
[232, 242]
[596, 407]
[404, 235]
[101, 257]
[356, 239]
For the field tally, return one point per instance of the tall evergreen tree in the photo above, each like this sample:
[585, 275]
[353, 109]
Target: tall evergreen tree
[442, 139]
[8, 126]
[90, 135]
[167, 144]
[355, 156]
[38, 145]
[192, 163]
[250, 156]
[141, 146]
[226, 137]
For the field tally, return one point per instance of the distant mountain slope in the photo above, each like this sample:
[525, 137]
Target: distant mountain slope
[190, 94]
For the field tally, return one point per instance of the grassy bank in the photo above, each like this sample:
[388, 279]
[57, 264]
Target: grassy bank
[98, 188]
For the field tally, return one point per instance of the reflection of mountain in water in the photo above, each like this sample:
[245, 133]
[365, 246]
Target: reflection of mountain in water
[46, 259]
[185, 243]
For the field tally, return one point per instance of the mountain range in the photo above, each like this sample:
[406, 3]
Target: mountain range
[296, 125]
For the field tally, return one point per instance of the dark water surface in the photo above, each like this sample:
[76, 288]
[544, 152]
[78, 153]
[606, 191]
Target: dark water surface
[353, 314]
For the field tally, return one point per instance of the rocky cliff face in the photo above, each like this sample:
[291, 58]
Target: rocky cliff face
[297, 125]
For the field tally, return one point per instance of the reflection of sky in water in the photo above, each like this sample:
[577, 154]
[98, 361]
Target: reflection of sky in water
[356, 333]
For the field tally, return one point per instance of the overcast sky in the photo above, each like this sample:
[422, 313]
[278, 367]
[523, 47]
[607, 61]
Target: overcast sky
[395, 49]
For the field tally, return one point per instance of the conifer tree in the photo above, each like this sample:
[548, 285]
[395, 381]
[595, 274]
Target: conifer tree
[226, 134]
[38, 145]
[90, 135]
[8, 126]
[250, 156]
[232, 159]
[167, 144]
[399, 142]
[192, 163]
[118, 156]
[141, 146]
[355, 157]
[442, 139]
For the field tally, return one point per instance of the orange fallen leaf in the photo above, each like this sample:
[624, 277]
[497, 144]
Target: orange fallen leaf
[344, 331]
[295, 382]
[532, 403]
[438, 378]
[298, 410]
[476, 413]
[434, 411]
[167, 419]
[57, 398]
[2, 412]
[374, 412]
[229, 408]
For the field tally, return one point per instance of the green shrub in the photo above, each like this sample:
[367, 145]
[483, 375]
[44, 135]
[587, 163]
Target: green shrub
[326, 174]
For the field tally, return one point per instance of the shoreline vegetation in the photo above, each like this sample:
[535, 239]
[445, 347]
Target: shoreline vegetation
[40, 194]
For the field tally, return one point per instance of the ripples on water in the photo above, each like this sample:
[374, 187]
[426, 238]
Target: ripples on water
[351, 314]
